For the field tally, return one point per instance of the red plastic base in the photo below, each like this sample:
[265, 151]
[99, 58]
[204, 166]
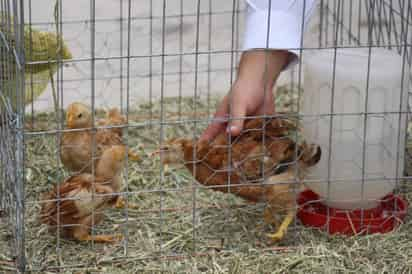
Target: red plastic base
[388, 215]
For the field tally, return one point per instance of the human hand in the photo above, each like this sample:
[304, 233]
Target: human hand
[245, 99]
[251, 94]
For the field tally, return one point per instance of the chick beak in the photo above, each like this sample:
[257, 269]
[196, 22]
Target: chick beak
[163, 148]
[154, 153]
[70, 120]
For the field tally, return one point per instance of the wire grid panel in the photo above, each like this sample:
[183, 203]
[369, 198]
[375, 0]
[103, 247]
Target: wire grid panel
[11, 130]
[111, 33]
[165, 64]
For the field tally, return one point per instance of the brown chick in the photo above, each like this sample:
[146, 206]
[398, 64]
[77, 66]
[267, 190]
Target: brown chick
[77, 146]
[113, 118]
[256, 155]
[76, 205]
[282, 192]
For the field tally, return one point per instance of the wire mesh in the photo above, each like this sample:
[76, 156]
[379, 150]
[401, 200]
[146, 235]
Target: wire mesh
[11, 121]
[165, 65]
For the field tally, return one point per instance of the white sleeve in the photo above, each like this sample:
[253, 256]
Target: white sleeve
[284, 30]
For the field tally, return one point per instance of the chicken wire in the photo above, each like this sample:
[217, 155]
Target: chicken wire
[170, 60]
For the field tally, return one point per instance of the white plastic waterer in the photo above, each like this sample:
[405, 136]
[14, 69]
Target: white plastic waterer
[342, 136]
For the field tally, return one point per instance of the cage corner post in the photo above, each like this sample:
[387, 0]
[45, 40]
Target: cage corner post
[20, 145]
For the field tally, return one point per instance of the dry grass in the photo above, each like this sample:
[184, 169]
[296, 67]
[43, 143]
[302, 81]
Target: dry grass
[166, 235]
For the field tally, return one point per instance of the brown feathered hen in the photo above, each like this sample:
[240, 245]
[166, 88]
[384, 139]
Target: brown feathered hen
[262, 152]
[77, 204]
[77, 145]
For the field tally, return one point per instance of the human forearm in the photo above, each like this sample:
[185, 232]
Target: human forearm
[261, 68]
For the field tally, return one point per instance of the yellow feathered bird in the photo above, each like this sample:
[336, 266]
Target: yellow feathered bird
[39, 46]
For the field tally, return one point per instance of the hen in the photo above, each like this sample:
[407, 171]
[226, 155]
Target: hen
[263, 151]
[76, 205]
[77, 146]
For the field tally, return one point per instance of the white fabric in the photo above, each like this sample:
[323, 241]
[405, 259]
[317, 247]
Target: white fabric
[285, 25]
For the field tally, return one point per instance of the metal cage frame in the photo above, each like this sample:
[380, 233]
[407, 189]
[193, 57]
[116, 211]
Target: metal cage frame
[339, 26]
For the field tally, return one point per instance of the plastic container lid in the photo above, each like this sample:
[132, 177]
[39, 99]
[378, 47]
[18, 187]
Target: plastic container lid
[382, 219]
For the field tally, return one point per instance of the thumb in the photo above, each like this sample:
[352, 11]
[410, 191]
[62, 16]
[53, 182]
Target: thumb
[237, 113]
[216, 126]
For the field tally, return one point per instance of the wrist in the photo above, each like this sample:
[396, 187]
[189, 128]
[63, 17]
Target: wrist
[261, 67]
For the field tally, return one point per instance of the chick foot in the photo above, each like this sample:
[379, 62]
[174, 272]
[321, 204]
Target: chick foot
[276, 237]
[280, 233]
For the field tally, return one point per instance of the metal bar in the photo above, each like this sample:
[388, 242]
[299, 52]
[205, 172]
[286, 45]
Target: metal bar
[214, 52]
[209, 56]
[93, 93]
[137, 18]
[59, 116]
[151, 56]
[230, 104]
[126, 133]
[30, 57]
[195, 98]
[366, 105]
[401, 107]
[199, 120]
[300, 75]
[332, 110]
[188, 189]
[121, 54]
[180, 58]
[161, 131]
[20, 154]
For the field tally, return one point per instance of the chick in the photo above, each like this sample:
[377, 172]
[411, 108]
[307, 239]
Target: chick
[77, 146]
[249, 162]
[76, 204]
[283, 189]
[114, 118]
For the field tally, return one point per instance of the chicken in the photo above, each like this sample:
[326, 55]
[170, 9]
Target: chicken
[77, 204]
[77, 146]
[255, 155]
[114, 118]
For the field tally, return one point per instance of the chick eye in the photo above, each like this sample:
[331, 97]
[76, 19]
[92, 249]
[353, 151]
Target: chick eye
[80, 115]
